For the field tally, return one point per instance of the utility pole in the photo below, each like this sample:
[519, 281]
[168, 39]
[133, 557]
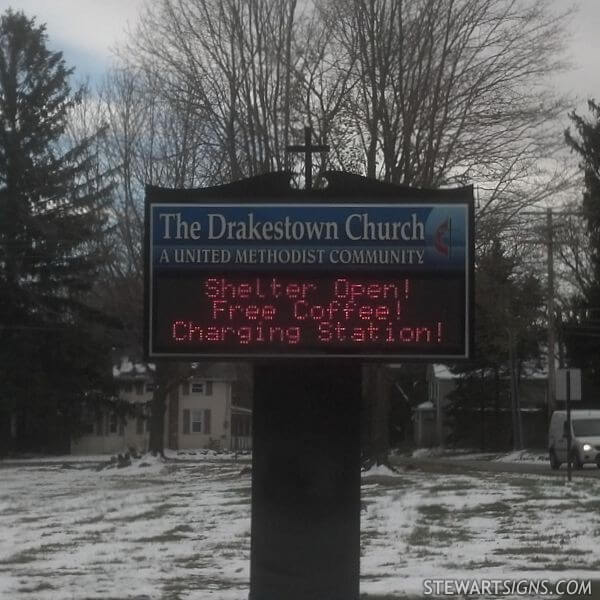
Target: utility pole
[551, 297]
[551, 320]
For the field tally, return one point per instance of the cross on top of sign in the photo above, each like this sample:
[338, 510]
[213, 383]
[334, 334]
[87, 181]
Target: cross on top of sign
[308, 150]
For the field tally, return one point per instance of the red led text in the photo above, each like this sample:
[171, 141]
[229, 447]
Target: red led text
[278, 311]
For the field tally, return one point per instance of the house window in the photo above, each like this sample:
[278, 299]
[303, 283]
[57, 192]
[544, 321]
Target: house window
[127, 387]
[139, 387]
[208, 391]
[150, 387]
[122, 426]
[186, 420]
[197, 388]
[207, 420]
[185, 388]
[112, 423]
[196, 421]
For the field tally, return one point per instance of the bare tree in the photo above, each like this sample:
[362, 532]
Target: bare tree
[419, 92]
[448, 89]
[454, 91]
[235, 60]
[149, 139]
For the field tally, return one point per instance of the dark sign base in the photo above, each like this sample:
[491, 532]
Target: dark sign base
[306, 483]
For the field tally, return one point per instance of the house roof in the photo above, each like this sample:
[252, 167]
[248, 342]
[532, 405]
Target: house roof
[443, 372]
[129, 369]
[427, 405]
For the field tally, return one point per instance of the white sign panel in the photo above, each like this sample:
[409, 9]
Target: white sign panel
[561, 384]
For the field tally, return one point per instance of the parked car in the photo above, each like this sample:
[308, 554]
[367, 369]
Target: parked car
[585, 438]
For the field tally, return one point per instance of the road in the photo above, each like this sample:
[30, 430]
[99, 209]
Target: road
[431, 464]
[453, 465]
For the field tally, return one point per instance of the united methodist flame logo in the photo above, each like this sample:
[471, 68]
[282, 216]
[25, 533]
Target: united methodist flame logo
[443, 237]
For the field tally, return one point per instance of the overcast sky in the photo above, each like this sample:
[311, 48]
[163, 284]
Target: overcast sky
[87, 30]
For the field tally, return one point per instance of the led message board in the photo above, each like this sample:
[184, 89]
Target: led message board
[284, 279]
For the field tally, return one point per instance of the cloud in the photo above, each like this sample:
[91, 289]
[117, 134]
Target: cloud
[85, 30]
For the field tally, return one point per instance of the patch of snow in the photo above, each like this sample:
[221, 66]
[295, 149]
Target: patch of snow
[202, 454]
[59, 459]
[145, 464]
[443, 372]
[427, 452]
[524, 456]
[427, 405]
[381, 470]
[473, 456]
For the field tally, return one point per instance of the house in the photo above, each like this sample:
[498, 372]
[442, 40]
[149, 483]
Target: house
[429, 426]
[432, 425]
[200, 413]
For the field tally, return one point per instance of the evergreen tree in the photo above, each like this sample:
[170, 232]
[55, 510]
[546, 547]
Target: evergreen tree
[508, 332]
[53, 215]
[583, 331]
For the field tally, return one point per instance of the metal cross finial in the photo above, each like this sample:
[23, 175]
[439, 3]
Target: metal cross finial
[308, 150]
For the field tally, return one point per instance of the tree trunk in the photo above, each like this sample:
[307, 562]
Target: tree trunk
[157, 422]
[162, 379]
[372, 158]
[514, 394]
[482, 415]
[376, 398]
[496, 426]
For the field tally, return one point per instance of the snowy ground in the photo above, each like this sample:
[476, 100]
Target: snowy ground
[180, 530]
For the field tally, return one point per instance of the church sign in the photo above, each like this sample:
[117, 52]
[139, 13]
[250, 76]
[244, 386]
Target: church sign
[335, 275]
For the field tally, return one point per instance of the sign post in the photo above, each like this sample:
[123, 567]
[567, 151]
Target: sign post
[569, 435]
[568, 388]
[308, 284]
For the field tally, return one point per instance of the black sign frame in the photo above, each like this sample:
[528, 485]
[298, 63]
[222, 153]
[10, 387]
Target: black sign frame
[274, 188]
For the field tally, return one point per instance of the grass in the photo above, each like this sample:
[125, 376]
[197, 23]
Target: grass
[90, 520]
[182, 586]
[41, 587]
[537, 550]
[34, 554]
[459, 488]
[434, 512]
[176, 534]
[28, 519]
[497, 508]
[592, 505]
[484, 564]
[162, 538]
[20, 558]
[437, 526]
[157, 512]
[419, 536]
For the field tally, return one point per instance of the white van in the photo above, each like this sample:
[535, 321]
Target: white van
[585, 438]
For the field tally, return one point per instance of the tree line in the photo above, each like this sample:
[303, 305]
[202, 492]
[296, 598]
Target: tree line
[419, 92]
